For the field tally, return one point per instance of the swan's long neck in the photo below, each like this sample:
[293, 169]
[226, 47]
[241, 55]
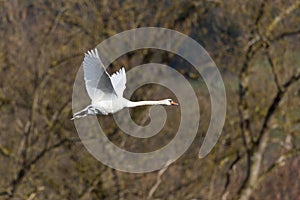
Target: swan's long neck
[144, 103]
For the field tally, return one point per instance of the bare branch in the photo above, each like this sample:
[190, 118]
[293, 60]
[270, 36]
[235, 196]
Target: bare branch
[22, 172]
[231, 166]
[272, 65]
[262, 141]
[254, 45]
[279, 162]
[286, 34]
[280, 17]
[158, 179]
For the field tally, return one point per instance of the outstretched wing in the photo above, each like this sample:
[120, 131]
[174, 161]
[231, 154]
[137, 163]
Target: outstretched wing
[118, 80]
[97, 80]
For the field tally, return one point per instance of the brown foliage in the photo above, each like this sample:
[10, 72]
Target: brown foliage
[254, 43]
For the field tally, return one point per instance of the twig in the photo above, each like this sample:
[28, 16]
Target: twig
[243, 110]
[280, 17]
[158, 179]
[261, 143]
[286, 34]
[22, 172]
[234, 162]
[273, 70]
[279, 162]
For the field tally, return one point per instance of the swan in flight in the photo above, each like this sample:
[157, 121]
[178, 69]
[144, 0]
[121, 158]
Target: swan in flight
[105, 91]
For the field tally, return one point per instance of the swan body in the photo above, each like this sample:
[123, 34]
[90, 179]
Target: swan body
[105, 91]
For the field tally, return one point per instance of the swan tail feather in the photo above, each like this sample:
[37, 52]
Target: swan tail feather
[83, 113]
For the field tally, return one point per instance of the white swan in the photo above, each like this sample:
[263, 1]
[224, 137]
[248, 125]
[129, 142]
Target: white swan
[105, 91]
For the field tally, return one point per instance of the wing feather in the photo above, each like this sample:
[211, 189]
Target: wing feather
[97, 80]
[118, 80]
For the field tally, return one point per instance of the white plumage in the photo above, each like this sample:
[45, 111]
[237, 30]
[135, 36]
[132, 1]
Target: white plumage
[105, 91]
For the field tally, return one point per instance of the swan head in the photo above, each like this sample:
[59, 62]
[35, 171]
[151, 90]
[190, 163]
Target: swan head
[170, 102]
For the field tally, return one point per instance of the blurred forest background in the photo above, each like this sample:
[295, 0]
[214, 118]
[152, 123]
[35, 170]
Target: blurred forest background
[255, 44]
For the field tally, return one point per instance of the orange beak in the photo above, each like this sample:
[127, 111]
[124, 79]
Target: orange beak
[174, 103]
